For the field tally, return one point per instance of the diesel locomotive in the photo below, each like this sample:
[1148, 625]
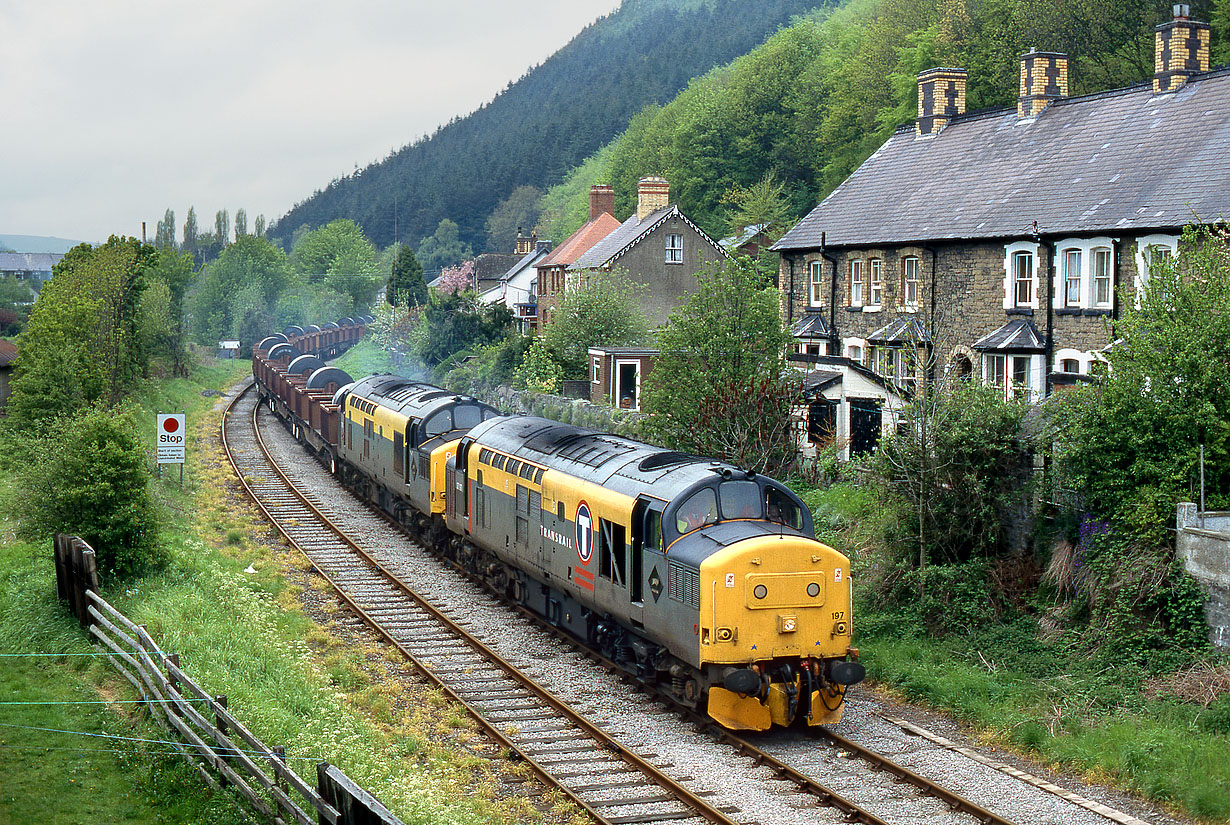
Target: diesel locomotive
[696, 577]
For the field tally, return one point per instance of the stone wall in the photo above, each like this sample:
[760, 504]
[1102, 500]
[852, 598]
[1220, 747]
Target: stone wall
[578, 412]
[1203, 544]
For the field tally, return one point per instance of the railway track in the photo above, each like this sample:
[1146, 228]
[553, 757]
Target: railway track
[566, 751]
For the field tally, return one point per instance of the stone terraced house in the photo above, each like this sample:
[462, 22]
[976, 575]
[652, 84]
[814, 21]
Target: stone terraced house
[1004, 243]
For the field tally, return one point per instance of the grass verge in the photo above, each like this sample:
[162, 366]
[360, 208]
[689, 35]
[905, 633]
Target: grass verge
[1038, 696]
[239, 633]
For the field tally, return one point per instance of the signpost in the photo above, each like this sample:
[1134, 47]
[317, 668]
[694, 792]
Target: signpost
[170, 439]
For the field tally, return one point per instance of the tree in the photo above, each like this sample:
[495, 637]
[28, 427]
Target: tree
[338, 248]
[598, 309]
[763, 204]
[539, 371]
[250, 261]
[164, 237]
[191, 230]
[174, 272]
[222, 227]
[241, 223]
[454, 280]
[1168, 373]
[443, 248]
[406, 286]
[82, 343]
[90, 477]
[259, 228]
[722, 366]
[517, 212]
[454, 323]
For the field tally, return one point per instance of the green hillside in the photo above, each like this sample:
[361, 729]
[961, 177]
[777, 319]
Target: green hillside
[543, 125]
[820, 96]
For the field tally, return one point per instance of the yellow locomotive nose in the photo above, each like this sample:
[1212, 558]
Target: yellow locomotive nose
[775, 632]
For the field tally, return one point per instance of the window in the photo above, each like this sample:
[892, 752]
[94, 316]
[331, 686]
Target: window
[876, 283]
[855, 353]
[1023, 279]
[815, 283]
[780, 508]
[595, 370]
[739, 499]
[1152, 249]
[1103, 278]
[699, 509]
[909, 283]
[674, 249]
[856, 282]
[1070, 365]
[1010, 373]
[1071, 277]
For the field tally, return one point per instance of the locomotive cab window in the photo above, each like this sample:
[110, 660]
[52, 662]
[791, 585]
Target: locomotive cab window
[438, 424]
[780, 509]
[740, 500]
[653, 529]
[612, 552]
[698, 510]
[466, 416]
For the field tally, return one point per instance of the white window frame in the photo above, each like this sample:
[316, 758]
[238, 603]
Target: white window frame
[857, 265]
[674, 251]
[615, 388]
[909, 265]
[1011, 251]
[847, 344]
[815, 281]
[999, 369]
[1144, 247]
[595, 369]
[875, 283]
[1084, 274]
[1083, 359]
[1099, 253]
[1072, 277]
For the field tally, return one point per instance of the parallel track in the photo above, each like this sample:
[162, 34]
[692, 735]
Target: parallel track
[565, 750]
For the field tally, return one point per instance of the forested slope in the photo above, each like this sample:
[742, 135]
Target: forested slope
[543, 125]
[820, 96]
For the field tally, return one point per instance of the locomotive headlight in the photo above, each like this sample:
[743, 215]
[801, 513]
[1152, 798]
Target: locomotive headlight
[813, 590]
[787, 624]
[760, 591]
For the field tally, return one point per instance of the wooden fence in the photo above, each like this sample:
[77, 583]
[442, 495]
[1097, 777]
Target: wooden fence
[214, 741]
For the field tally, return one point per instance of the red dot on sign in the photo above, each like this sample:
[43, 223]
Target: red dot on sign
[170, 424]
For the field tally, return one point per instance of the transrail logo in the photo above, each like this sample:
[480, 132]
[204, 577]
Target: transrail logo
[584, 533]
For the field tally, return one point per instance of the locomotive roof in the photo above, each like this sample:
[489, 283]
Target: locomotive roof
[414, 399]
[613, 461]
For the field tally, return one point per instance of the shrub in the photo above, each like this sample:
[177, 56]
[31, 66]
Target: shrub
[90, 478]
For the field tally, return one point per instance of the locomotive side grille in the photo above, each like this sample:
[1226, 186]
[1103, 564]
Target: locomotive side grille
[683, 585]
[535, 506]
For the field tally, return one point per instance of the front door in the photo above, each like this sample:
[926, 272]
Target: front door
[865, 424]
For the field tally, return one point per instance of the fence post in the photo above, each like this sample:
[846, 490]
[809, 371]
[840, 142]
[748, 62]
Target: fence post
[220, 722]
[279, 754]
[63, 590]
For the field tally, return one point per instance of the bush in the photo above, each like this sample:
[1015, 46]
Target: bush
[89, 477]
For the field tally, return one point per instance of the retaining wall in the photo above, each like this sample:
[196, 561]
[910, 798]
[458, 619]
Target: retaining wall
[1203, 543]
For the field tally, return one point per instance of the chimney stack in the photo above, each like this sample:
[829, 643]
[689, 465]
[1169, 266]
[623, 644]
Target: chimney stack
[652, 194]
[525, 245]
[1181, 49]
[1044, 78]
[941, 97]
[601, 199]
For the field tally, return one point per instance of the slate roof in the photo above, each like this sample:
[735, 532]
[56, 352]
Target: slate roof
[8, 353]
[900, 331]
[1117, 161]
[578, 242]
[1019, 335]
[811, 325]
[817, 380]
[28, 261]
[629, 234]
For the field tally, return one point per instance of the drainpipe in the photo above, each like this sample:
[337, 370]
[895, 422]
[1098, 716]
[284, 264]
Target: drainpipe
[790, 295]
[933, 331]
[1049, 362]
[834, 347]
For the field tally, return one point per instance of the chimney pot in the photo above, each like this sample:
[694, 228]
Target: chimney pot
[1044, 79]
[941, 97]
[601, 199]
[1181, 49]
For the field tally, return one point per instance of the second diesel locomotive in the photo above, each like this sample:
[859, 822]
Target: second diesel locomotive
[694, 576]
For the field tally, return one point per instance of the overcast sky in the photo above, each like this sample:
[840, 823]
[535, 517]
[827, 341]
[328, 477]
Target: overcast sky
[114, 111]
